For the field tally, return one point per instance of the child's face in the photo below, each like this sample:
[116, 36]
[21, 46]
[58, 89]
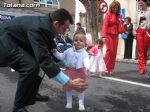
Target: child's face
[79, 41]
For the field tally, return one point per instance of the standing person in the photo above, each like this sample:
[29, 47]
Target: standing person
[77, 64]
[79, 28]
[129, 41]
[143, 27]
[26, 44]
[97, 64]
[110, 32]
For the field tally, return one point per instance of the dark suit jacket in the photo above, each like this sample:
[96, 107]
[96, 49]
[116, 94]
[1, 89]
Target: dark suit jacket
[129, 30]
[34, 34]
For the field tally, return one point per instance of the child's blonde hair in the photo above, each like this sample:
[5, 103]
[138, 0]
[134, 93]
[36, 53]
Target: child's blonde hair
[78, 32]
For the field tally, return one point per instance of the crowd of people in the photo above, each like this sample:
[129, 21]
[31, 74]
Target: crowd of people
[40, 42]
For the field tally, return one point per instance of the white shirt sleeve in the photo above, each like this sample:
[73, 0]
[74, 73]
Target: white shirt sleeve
[148, 19]
[59, 55]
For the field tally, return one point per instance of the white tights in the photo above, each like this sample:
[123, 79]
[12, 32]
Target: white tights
[80, 97]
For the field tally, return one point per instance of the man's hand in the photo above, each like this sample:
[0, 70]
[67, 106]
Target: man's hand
[77, 84]
[53, 50]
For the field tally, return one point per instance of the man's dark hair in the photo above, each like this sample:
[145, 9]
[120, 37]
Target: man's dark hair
[79, 24]
[61, 15]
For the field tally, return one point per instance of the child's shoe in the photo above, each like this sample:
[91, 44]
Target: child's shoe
[81, 107]
[100, 75]
[12, 70]
[69, 105]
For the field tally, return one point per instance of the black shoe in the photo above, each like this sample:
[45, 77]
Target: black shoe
[41, 98]
[19, 110]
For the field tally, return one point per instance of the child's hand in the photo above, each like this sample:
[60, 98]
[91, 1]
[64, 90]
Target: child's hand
[89, 53]
[86, 71]
[54, 50]
[148, 34]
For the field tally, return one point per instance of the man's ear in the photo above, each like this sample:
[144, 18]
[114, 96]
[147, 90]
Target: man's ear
[56, 24]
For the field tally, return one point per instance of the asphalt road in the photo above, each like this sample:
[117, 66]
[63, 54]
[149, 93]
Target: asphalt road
[125, 91]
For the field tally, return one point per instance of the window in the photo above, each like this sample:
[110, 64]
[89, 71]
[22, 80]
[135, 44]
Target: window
[47, 2]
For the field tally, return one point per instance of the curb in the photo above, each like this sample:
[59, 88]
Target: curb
[132, 61]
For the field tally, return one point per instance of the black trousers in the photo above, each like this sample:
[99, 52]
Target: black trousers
[128, 48]
[11, 54]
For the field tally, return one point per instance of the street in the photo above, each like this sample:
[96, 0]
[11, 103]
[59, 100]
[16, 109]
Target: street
[125, 91]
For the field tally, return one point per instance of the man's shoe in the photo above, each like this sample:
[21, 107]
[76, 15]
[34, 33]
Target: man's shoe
[19, 110]
[41, 98]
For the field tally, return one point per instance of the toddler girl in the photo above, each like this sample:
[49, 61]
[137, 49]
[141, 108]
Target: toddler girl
[97, 64]
[77, 63]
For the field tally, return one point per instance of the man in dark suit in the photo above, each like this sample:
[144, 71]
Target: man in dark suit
[26, 44]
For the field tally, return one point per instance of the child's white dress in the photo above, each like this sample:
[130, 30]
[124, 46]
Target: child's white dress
[97, 63]
[76, 61]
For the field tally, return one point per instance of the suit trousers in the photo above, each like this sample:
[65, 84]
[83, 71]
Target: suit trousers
[111, 52]
[20, 60]
[128, 47]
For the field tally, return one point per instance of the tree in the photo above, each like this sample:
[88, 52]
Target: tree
[92, 15]
[19, 1]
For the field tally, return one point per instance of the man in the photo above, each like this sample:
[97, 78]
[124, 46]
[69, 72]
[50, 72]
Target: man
[26, 44]
[38, 96]
[79, 28]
